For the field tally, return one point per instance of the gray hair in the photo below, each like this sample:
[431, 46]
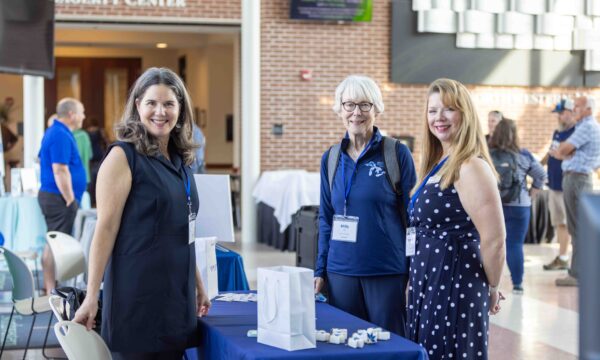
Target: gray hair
[497, 114]
[590, 103]
[65, 106]
[358, 87]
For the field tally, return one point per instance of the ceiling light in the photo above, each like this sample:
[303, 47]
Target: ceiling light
[161, 45]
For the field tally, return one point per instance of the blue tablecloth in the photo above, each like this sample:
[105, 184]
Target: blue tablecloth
[230, 268]
[22, 223]
[223, 336]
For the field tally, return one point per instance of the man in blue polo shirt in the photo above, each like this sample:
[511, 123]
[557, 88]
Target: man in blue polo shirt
[556, 203]
[62, 175]
[581, 156]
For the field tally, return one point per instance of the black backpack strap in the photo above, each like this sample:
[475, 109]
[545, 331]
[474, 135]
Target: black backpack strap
[332, 163]
[390, 159]
[392, 170]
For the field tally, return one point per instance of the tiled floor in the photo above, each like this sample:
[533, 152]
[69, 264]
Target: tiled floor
[541, 324]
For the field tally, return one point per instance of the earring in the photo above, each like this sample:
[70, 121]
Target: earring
[178, 125]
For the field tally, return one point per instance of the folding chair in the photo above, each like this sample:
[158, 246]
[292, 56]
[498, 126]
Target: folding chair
[79, 343]
[69, 260]
[25, 300]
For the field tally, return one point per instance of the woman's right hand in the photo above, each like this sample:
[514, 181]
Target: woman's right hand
[319, 282]
[86, 314]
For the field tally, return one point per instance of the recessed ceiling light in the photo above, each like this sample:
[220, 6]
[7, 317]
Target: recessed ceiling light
[161, 45]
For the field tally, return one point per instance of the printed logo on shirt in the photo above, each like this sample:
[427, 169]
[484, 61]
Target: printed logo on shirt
[375, 168]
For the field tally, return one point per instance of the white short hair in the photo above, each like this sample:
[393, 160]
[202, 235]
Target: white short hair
[358, 87]
[590, 103]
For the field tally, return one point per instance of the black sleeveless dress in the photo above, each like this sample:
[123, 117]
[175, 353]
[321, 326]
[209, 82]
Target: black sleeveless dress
[149, 297]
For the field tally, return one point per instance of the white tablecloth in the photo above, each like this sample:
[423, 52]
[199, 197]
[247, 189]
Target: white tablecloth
[286, 191]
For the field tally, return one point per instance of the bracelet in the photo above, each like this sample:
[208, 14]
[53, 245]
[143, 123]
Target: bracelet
[494, 289]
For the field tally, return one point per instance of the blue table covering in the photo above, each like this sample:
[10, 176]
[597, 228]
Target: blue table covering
[22, 223]
[230, 269]
[223, 336]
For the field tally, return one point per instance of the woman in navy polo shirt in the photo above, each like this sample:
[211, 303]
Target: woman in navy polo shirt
[361, 254]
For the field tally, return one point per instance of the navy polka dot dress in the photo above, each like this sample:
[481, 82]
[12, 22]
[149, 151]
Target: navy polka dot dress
[448, 290]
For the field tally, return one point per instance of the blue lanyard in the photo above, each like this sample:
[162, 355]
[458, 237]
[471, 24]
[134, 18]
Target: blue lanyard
[348, 186]
[188, 192]
[423, 183]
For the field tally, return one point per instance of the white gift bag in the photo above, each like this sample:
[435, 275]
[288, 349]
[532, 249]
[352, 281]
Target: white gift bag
[206, 261]
[286, 307]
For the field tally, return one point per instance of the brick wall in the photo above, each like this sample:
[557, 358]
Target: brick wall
[333, 51]
[203, 9]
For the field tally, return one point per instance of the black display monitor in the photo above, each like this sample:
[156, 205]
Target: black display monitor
[27, 37]
[332, 10]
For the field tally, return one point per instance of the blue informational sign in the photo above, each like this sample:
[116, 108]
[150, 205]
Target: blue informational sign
[331, 10]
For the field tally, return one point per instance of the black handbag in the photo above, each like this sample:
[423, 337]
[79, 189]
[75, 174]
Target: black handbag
[74, 298]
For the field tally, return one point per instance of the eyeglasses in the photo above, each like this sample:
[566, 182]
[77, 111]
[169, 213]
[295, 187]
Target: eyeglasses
[350, 106]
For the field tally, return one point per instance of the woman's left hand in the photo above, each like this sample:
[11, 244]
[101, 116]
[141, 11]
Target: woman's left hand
[495, 298]
[203, 302]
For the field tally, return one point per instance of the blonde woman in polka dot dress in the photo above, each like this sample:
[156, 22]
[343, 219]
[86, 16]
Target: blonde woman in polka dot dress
[456, 214]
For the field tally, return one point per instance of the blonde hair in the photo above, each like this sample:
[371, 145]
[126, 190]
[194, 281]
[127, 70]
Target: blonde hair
[468, 142]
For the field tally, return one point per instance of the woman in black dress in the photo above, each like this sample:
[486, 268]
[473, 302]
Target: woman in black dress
[146, 198]
[456, 214]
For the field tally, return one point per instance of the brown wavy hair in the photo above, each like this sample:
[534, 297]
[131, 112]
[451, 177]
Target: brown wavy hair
[505, 136]
[130, 128]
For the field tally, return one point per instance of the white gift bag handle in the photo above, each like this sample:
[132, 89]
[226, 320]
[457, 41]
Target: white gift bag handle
[265, 308]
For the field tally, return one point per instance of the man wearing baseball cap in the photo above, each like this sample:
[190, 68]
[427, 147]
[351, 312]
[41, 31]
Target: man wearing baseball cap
[581, 155]
[556, 203]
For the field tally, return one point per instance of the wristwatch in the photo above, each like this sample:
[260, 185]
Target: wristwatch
[494, 289]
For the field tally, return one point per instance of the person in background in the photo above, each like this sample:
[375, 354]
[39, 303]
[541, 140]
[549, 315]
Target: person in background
[10, 140]
[141, 248]
[84, 147]
[62, 176]
[556, 203]
[494, 118]
[580, 153]
[199, 166]
[517, 211]
[99, 144]
[365, 272]
[457, 261]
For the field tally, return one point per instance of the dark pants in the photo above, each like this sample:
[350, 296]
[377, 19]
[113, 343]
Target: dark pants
[380, 300]
[574, 184]
[163, 355]
[516, 220]
[58, 216]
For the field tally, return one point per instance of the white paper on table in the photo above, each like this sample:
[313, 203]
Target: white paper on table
[206, 262]
[29, 181]
[214, 218]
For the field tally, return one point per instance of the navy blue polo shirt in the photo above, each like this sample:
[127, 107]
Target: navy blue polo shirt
[554, 165]
[380, 245]
[59, 147]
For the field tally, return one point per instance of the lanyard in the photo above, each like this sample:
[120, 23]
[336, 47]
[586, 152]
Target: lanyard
[424, 182]
[348, 185]
[188, 193]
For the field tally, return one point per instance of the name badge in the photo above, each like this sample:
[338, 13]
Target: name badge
[191, 228]
[434, 179]
[344, 228]
[411, 241]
